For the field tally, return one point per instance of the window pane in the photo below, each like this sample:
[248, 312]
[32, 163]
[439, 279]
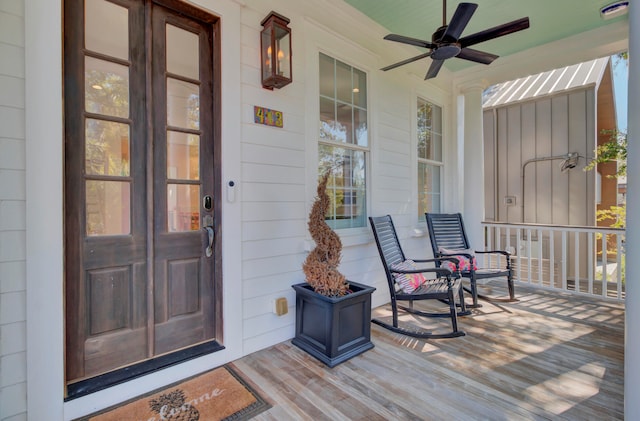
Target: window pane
[106, 87]
[108, 207]
[327, 76]
[106, 28]
[429, 131]
[183, 104]
[183, 156]
[183, 207]
[428, 189]
[436, 147]
[360, 124]
[182, 52]
[283, 54]
[106, 148]
[359, 88]
[328, 129]
[344, 86]
[345, 123]
[346, 187]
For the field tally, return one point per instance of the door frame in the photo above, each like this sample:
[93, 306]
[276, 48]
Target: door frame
[44, 217]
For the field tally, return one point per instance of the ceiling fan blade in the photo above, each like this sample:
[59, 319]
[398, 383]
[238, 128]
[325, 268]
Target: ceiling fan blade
[409, 40]
[495, 32]
[476, 56]
[407, 61]
[459, 21]
[434, 69]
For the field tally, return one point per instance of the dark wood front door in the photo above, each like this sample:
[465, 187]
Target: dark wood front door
[141, 186]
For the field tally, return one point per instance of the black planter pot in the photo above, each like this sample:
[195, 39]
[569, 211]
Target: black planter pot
[333, 329]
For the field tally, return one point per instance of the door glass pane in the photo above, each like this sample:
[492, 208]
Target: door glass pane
[183, 207]
[182, 52]
[183, 104]
[183, 156]
[106, 148]
[108, 207]
[106, 28]
[106, 87]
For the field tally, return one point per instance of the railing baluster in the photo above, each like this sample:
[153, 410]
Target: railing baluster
[564, 260]
[519, 254]
[529, 279]
[530, 245]
[605, 258]
[552, 258]
[540, 258]
[576, 256]
[590, 262]
[619, 265]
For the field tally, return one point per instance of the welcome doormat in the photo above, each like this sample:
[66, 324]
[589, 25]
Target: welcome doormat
[219, 394]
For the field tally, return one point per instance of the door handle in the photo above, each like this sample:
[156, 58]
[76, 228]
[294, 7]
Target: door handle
[210, 234]
[207, 221]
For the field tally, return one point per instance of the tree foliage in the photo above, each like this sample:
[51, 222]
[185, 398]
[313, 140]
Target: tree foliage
[613, 150]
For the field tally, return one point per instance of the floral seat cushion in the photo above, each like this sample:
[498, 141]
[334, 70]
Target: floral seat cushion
[464, 262]
[408, 282]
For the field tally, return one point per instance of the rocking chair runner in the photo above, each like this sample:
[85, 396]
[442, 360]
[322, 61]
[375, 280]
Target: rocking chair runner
[448, 238]
[443, 288]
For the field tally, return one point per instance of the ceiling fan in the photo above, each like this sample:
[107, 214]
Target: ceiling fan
[446, 42]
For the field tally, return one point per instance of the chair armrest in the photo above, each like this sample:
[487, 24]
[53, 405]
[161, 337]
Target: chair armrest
[503, 252]
[443, 255]
[438, 271]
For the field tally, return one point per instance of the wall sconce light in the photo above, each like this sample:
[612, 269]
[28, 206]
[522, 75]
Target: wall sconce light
[275, 51]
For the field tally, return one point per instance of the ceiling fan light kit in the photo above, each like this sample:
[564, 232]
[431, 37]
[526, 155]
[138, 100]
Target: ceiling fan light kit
[614, 10]
[446, 42]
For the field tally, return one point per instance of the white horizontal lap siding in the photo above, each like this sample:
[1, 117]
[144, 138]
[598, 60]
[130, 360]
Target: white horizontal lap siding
[272, 194]
[13, 366]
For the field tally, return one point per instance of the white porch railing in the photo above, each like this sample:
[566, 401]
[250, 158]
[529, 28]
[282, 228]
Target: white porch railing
[583, 260]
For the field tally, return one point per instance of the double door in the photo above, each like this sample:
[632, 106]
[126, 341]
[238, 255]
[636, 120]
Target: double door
[142, 255]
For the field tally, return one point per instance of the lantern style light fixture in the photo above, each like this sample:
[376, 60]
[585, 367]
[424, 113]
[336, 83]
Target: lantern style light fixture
[275, 51]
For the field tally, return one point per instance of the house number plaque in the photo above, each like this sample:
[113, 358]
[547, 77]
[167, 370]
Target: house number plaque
[267, 117]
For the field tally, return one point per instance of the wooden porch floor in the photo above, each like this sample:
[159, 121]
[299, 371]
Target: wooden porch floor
[549, 356]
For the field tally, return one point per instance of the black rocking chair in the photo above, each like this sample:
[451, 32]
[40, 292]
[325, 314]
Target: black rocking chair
[444, 288]
[448, 238]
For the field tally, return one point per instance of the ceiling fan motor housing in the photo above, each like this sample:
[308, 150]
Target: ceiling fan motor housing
[444, 49]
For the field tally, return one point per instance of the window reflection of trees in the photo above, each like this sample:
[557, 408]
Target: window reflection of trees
[346, 185]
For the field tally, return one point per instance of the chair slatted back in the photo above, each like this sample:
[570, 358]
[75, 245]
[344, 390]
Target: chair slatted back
[387, 241]
[446, 230]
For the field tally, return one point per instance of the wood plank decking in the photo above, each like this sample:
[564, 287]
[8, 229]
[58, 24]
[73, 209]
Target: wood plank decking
[550, 356]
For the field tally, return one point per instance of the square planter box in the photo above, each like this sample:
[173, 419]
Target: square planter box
[333, 329]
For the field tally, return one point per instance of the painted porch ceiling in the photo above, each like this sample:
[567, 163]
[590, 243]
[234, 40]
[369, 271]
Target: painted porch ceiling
[550, 20]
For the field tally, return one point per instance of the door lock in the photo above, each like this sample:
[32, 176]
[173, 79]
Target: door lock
[207, 202]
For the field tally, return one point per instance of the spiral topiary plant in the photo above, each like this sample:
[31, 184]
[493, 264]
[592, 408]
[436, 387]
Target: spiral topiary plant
[321, 265]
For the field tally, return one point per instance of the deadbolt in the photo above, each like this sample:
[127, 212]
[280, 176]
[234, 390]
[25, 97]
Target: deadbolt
[207, 202]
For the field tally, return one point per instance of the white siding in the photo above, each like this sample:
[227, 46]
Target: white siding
[13, 367]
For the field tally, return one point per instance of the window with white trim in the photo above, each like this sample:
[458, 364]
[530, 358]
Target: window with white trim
[343, 144]
[429, 129]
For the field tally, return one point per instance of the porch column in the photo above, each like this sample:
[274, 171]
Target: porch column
[632, 306]
[473, 164]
